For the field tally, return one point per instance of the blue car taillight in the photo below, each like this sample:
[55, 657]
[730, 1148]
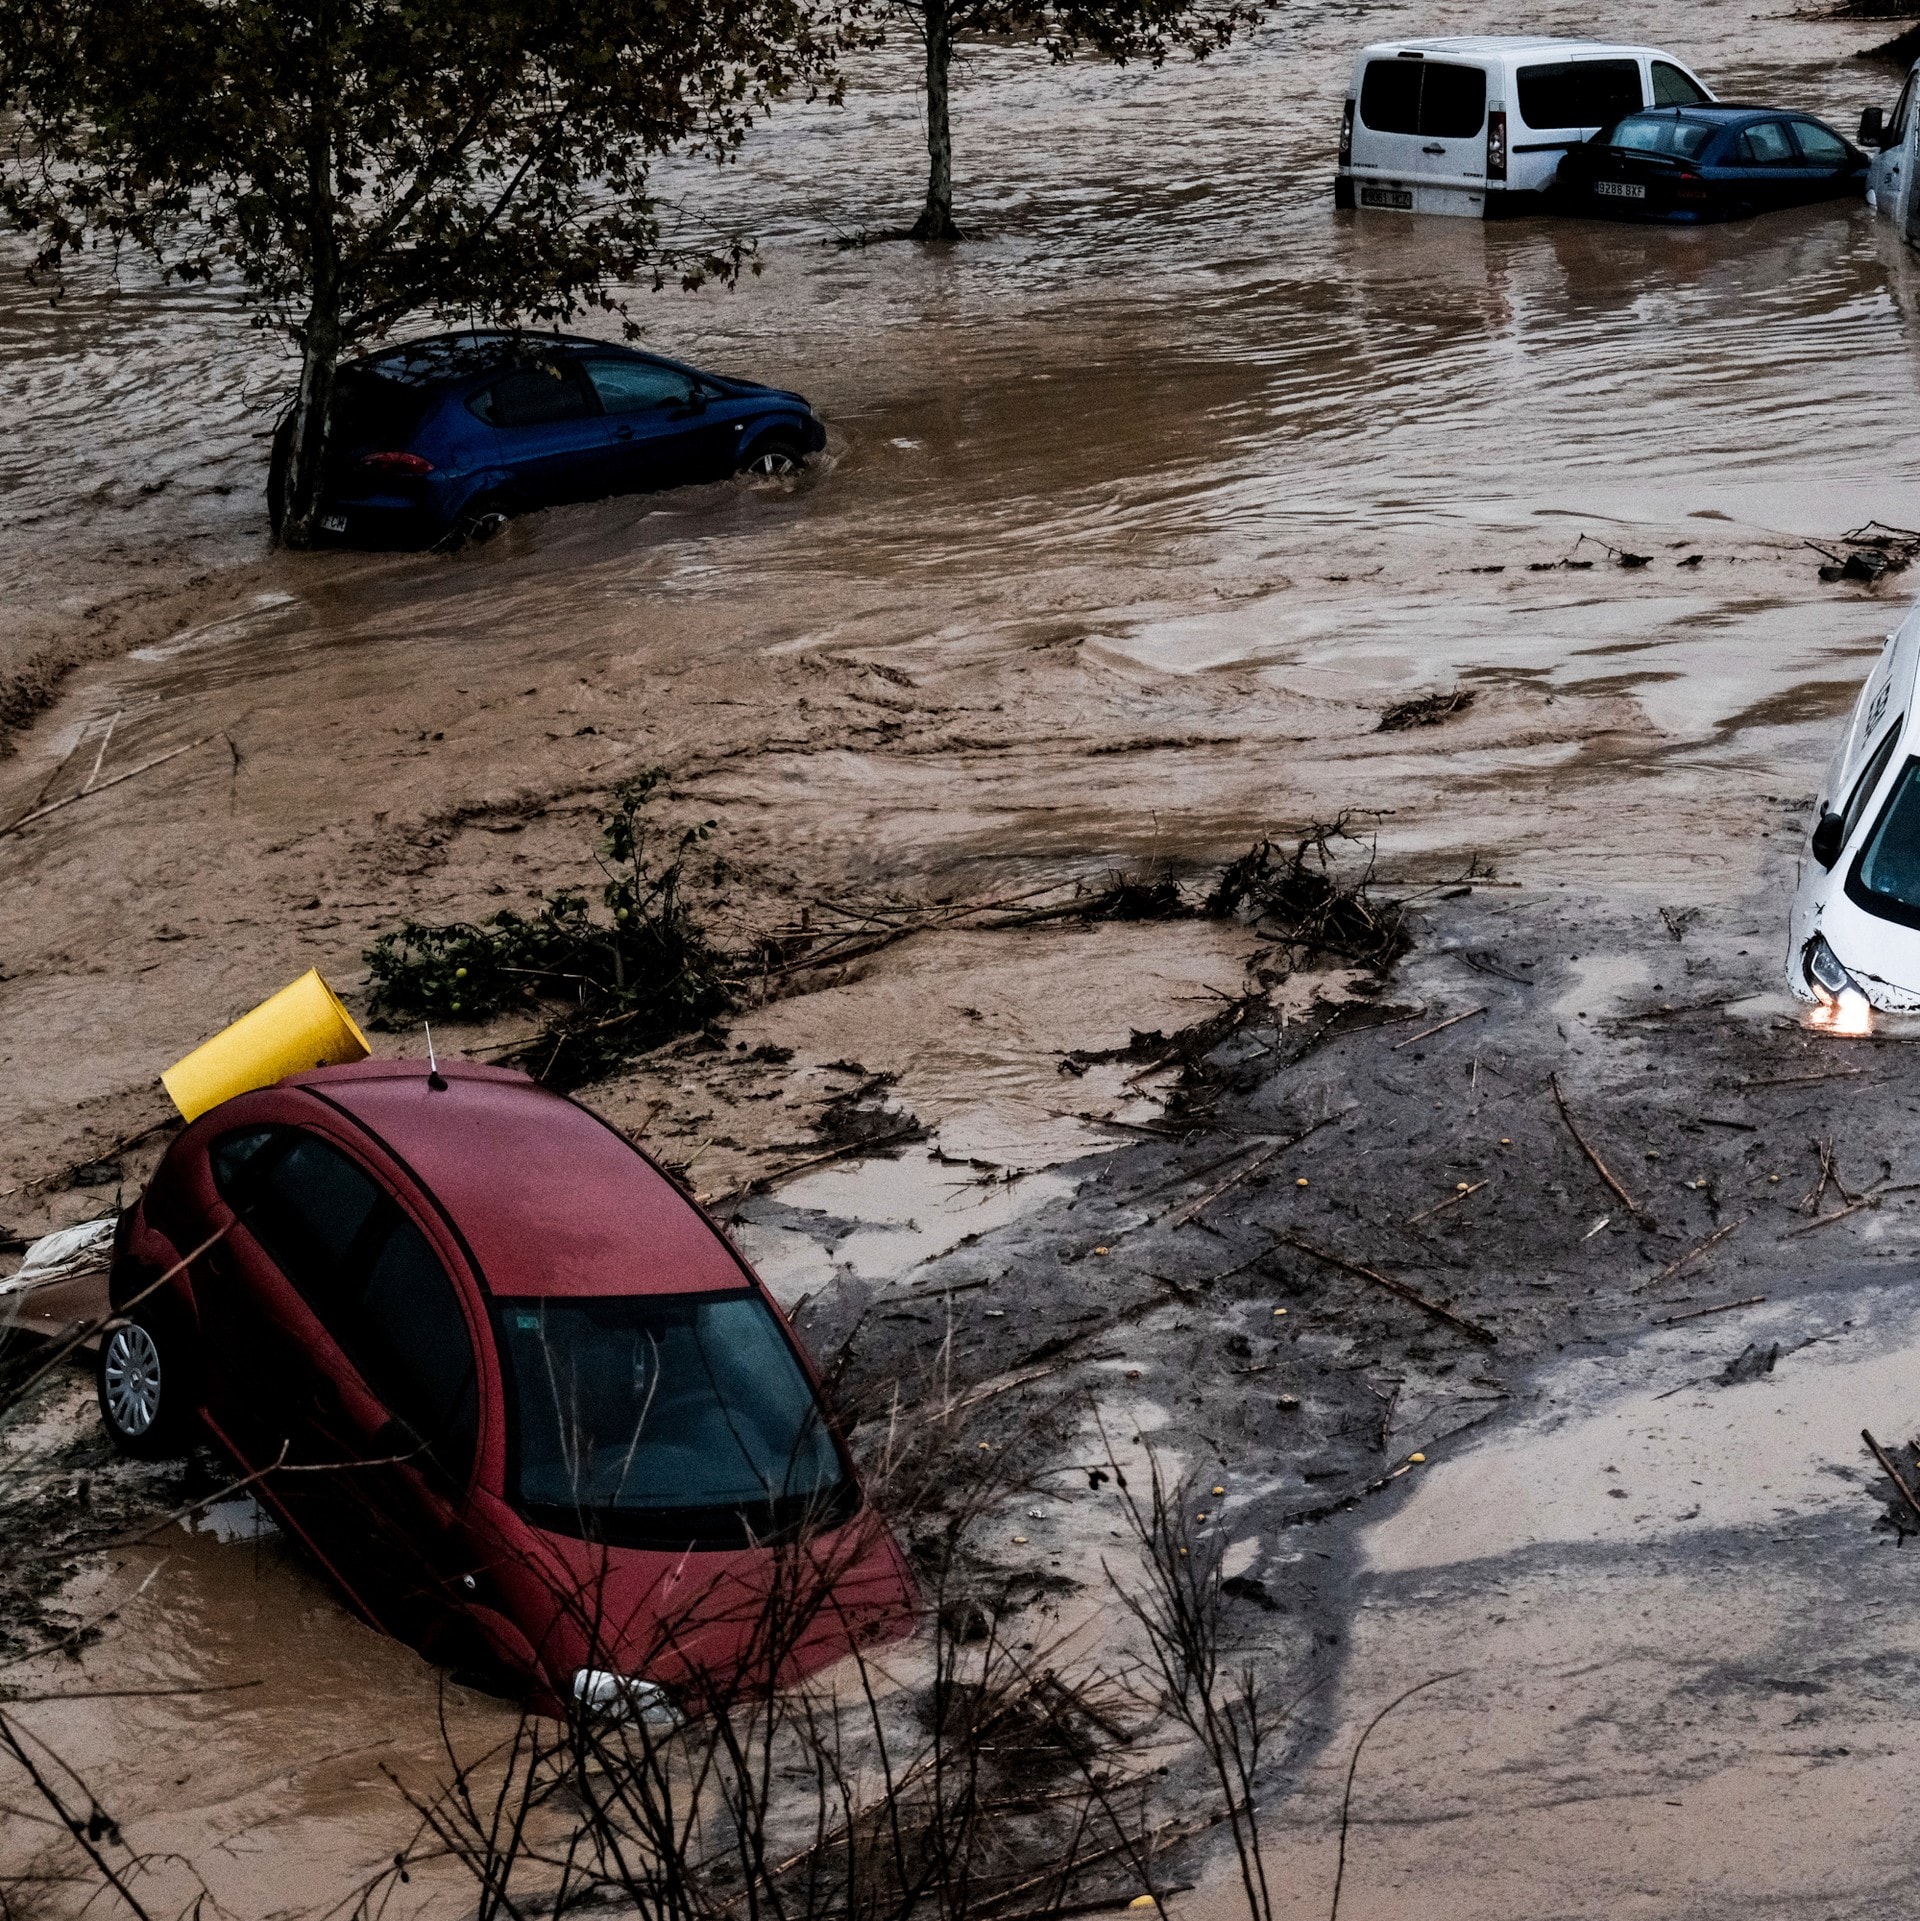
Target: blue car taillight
[1346, 134]
[412, 466]
[1496, 145]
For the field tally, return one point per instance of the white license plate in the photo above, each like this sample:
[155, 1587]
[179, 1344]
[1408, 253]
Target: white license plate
[1620, 189]
[1401, 197]
[333, 523]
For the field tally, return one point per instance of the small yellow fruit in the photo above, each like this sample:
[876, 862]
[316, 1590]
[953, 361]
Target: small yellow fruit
[1219, 1490]
[1019, 1540]
[1506, 1140]
[1301, 1182]
[1278, 1311]
[1416, 1459]
[1099, 1250]
[1143, 1901]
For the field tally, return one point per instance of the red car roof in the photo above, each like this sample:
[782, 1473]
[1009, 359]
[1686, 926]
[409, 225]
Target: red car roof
[550, 1199]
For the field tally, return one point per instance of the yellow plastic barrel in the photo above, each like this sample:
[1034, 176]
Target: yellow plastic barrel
[302, 1026]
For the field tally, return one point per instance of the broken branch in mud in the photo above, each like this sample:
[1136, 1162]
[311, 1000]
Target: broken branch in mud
[870, 1143]
[146, 767]
[1700, 1313]
[1441, 1027]
[1587, 1148]
[1194, 1209]
[1693, 1253]
[1454, 1199]
[1899, 1480]
[1472, 1329]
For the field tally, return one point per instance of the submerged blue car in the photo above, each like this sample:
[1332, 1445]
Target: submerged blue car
[441, 441]
[1709, 163]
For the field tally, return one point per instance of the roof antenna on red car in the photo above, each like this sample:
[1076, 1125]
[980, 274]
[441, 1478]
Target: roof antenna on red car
[435, 1079]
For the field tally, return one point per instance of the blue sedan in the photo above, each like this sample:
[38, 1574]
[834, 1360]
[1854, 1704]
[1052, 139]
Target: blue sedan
[1709, 163]
[441, 441]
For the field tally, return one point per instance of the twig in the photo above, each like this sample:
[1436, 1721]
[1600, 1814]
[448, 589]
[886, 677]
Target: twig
[1439, 1207]
[1899, 1480]
[105, 741]
[1353, 1768]
[911, 1131]
[1206, 1200]
[146, 766]
[1679, 1261]
[1428, 1035]
[1473, 1329]
[1801, 1080]
[1586, 1147]
[1697, 1313]
[1827, 1220]
[1195, 1208]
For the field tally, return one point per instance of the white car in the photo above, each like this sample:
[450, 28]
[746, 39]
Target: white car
[1477, 126]
[1854, 938]
[1893, 144]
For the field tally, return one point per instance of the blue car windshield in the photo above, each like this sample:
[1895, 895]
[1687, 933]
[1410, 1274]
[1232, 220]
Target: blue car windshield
[1889, 871]
[1663, 134]
[667, 1420]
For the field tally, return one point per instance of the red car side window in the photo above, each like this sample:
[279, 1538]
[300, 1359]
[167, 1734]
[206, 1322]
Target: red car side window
[368, 1274]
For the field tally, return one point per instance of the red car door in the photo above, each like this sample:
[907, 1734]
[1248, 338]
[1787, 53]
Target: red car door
[339, 1361]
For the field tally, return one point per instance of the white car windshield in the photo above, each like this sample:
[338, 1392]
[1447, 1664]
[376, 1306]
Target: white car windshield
[1889, 870]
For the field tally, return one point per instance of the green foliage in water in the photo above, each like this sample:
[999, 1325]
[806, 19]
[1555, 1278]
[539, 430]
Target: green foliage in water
[611, 982]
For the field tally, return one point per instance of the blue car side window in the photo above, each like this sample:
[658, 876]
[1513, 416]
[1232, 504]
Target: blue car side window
[1820, 147]
[638, 386]
[1765, 145]
[533, 397]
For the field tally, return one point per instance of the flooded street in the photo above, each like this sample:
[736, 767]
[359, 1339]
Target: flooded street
[1139, 508]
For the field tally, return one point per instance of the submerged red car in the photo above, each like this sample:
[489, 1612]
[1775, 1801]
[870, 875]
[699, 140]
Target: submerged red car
[513, 1390]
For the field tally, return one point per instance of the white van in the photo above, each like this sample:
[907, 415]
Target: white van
[1893, 141]
[1477, 126]
[1854, 938]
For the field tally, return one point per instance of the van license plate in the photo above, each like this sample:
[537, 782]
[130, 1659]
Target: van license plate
[1401, 197]
[333, 524]
[1620, 189]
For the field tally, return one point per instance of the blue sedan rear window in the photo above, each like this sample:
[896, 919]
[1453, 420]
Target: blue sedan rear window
[1662, 134]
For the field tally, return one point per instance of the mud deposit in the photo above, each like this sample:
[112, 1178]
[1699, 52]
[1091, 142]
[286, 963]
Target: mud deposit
[1140, 511]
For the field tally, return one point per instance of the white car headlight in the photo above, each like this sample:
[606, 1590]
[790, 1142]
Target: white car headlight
[625, 1697]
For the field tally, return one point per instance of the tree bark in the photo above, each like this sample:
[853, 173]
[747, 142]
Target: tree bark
[936, 217]
[298, 476]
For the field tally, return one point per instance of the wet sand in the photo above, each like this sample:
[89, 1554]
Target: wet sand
[1139, 510]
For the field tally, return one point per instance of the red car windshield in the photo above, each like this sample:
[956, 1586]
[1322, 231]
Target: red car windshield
[666, 1421]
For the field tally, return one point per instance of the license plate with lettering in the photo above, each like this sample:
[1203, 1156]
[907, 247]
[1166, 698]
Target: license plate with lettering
[1401, 197]
[1620, 189]
[333, 523]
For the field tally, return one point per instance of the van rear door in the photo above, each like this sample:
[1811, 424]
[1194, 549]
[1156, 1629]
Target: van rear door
[1420, 124]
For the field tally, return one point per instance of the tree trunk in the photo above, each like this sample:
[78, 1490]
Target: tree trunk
[936, 217]
[298, 472]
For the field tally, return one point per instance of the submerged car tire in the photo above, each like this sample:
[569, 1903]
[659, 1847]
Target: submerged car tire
[477, 523]
[145, 1377]
[778, 457]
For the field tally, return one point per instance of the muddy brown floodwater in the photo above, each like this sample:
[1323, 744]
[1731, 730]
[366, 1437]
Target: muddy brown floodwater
[1139, 509]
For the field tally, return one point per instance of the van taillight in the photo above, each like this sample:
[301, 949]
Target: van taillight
[394, 463]
[1346, 135]
[1496, 145]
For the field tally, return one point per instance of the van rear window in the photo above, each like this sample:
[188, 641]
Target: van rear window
[1579, 93]
[1430, 97]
